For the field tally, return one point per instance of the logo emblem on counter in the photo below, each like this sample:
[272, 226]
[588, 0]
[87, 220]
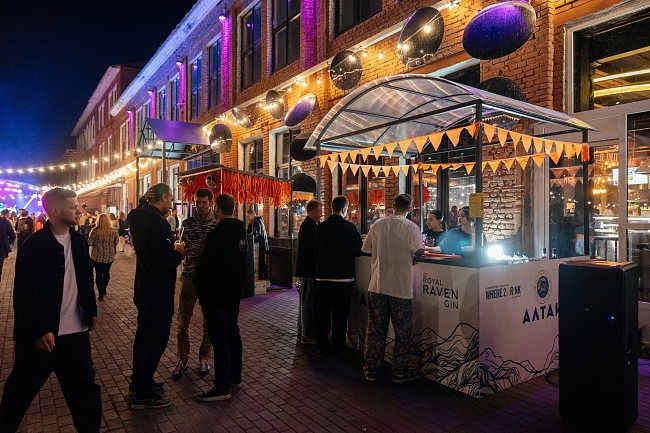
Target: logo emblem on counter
[543, 287]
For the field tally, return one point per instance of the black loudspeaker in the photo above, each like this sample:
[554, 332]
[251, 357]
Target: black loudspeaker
[598, 344]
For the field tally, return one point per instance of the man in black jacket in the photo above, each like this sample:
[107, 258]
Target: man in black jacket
[257, 228]
[336, 245]
[155, 284]
[219, 278]
[54, 308]
[306, 270]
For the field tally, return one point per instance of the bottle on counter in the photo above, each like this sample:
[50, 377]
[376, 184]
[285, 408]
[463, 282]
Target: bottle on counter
[544, 255]
[554, 253]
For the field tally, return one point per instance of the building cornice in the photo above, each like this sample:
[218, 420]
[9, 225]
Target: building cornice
[100, 90]
[167, 54]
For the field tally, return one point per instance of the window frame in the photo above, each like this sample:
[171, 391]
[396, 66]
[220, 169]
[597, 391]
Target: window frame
[357, 19]
[214, 82]
[196, 74]
[285, 25]
[254, 49]
[161, 103]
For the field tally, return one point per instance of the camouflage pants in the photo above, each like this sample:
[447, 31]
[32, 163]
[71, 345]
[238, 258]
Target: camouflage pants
[381, 310]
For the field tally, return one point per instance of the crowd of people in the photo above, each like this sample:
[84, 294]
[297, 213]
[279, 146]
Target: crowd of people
[55, 305]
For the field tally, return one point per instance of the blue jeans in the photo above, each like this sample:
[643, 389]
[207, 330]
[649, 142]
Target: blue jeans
[223, 331]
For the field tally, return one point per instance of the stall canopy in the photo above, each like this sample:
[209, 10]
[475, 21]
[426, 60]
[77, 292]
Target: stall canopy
[394, 108]
[178, 138]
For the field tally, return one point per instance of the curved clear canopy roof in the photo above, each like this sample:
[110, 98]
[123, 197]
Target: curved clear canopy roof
[401, 107]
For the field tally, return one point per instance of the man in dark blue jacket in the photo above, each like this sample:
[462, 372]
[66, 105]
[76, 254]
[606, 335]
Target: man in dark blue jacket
[219, 277]
[54, 308]
[7, 236]
[154, 287]
[337, 243]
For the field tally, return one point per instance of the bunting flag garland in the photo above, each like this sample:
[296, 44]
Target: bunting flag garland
[454, 136]
[376, 169]
[469, 166]
[522, 161]
[559, 147]
[390, 148]
[405, 169]
[489, 131]
[456, 166]
[538, 159]
[515, 137]
[508, 162]
[376, 150]
[539, 144]
[344, 167]
[527, 141]
[354, 168]
[554, 156]
[332, 164]
[365, 152]
[494, 165]
[366, 169]
[323, 158]
[420, 143]
[436, 139]
[503, 136]
[403, 147]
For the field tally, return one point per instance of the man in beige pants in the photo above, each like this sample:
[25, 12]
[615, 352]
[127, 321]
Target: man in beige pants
[194, 232]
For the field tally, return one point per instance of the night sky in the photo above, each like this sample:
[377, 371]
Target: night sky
[54, 52]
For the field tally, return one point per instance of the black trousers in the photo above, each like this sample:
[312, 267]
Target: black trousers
[223, 331]
[149, 344]
[71, 361]
[262, 269]
[332, 311]
[102, 276]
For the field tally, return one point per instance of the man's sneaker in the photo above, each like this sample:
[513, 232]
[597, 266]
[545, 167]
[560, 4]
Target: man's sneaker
[212, 395]
[179, 370]
[370, 374]
[205, 368]
[157, 386]
[152, 402]
[409, 376]
[236, 383]
[306, 340]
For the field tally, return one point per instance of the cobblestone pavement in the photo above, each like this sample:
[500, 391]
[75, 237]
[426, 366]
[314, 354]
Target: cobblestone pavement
[287, 386]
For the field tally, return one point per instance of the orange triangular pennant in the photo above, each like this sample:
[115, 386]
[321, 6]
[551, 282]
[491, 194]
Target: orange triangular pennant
[354, 168]
[456, 166]
[483, 165]
[568, 150]
[403, 147]
[454, 135]
[405, 169]
[471, 129]
[539, 144]
[515, 137]
[539, 159]
[508, 163]
[344, 167]
[395, 169]
[503, 135]
[435, 139]
[435, 168]
[559, 148]
[332, 164]
[390, 148]
[376, 169]
[425, 166]
[554, 156]
[323, 159]
[548, 147]
[489, 131]
[365, 152]
[469, 166]
[376, 150]
[445, 166]
[526, 140]
[577, 149]
[420, 142]
[366, 169]
[522, 161]
[494, 165]
[353, 155]
[343, 156]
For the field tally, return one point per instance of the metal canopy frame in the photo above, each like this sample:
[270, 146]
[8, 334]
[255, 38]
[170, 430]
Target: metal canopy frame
[168, 140]
[420, 105]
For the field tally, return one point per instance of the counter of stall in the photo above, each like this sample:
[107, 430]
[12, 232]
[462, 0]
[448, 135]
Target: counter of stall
[477, 329]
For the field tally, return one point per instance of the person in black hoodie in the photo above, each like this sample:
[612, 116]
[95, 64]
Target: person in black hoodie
[219, 278]
[256, 227]
[336, 244]
[153, 294]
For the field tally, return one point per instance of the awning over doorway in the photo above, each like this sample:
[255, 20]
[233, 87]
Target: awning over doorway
[180, 139]
[394, 108]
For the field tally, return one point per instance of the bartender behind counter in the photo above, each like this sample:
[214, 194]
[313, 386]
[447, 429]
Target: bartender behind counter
[435, 231]
[460, 236]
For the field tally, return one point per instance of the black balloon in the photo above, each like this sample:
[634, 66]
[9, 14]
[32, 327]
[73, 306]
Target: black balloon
[242, 118]
[421, 37]
[302, 182]
[346, 70]
[209, 180]
[297, 148]
[275, 104]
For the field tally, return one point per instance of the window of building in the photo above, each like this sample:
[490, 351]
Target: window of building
[161, 104]
[139, 121]
[112, 98]
[215, 74]
[611, 65]
[146, 111]
[286, 32]
[202, 160]
[124, 139]
[251, 41]
[349, 13]
[112, 157]
[196, 88]
[284, 169]
[254, 156]
[101, 115]
[175, 89]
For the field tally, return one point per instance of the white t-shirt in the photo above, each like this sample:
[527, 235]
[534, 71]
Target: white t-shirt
[71, 315]
[392, 241]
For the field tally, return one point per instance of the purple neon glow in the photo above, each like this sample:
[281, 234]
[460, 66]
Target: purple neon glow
[308, 29]
[131, 126]
[181, 71]
[226, 35]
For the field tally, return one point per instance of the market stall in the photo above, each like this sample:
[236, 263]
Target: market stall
[479, 325]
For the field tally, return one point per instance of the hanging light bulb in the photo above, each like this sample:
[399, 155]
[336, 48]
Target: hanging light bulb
[380, 56]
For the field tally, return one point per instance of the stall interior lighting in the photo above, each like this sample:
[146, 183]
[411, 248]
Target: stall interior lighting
[622, 75]
[622, 89]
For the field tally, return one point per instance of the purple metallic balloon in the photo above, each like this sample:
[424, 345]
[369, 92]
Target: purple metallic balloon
[300, 110]
[499, 29]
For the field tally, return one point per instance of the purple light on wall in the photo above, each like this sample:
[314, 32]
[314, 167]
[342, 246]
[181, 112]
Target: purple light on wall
[181, 71]
[131, 145]
[309, 27]
[152, 104]
[226, 35]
